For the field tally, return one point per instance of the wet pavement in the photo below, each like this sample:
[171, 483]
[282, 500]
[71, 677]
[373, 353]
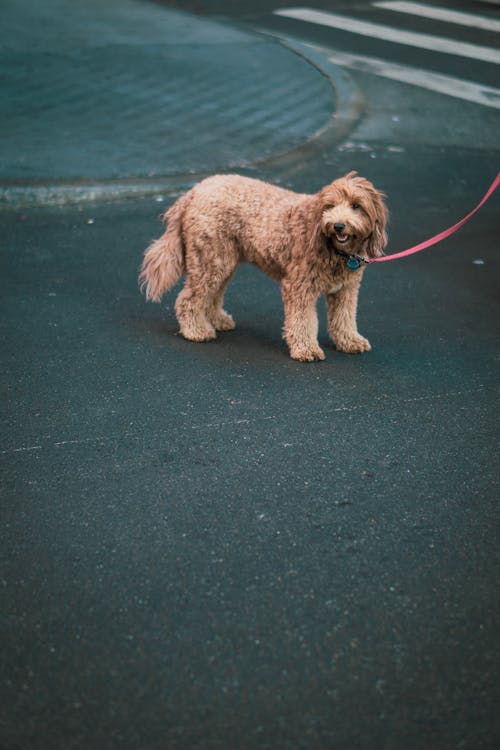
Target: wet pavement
[131, 90]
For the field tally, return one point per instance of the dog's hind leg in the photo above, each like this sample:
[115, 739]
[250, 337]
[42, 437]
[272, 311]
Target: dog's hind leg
[199, 305]
[220, 319]
[191, 312]
[210, 263]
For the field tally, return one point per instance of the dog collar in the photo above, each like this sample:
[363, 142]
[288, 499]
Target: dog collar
[354, 260]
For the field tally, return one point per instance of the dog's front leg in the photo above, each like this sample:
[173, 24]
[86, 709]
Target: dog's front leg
[342, 306]
[300, 330]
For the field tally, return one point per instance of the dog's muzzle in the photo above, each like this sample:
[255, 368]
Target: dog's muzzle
[340, 235]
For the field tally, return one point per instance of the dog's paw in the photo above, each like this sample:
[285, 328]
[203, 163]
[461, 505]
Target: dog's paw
[311, 354]
[224, 322]
[352, 344]
[198, 334]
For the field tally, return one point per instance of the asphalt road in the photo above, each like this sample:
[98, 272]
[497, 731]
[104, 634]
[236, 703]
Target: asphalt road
[212, 546]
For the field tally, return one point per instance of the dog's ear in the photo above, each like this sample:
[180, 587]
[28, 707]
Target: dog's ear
[318, 241]
[377, 241]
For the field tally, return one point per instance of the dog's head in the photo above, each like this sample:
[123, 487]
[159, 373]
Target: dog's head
[354, 216]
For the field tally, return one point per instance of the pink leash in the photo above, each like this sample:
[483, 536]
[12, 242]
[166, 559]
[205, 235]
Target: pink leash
[442, 235]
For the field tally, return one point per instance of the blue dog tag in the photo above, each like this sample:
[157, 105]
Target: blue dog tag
[353, 264]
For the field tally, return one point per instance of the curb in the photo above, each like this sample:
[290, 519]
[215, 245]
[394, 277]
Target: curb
[349, 107]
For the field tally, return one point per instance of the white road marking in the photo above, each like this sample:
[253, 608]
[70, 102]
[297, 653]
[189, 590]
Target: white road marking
[426, 79]
[470, 20]
[391, 34]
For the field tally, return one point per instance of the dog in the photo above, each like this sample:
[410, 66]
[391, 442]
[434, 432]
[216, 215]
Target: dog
[312, 244]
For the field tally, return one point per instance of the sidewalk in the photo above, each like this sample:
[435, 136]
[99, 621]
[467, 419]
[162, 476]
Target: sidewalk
[130, 91]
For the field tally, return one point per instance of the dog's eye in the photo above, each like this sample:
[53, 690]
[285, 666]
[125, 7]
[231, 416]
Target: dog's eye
[329, 207]
[356, 206]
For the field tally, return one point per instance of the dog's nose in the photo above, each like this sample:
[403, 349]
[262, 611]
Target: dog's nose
[339, 227]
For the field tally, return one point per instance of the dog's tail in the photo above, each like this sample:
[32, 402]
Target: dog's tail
[163, 263]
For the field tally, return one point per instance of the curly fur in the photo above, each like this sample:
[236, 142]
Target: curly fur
[228, 219]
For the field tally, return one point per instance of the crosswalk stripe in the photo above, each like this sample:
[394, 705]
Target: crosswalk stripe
[426, 79]
[471, 20]
[390, 34]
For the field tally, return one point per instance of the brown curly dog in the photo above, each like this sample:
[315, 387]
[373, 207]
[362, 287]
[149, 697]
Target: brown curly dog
[303, 241]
